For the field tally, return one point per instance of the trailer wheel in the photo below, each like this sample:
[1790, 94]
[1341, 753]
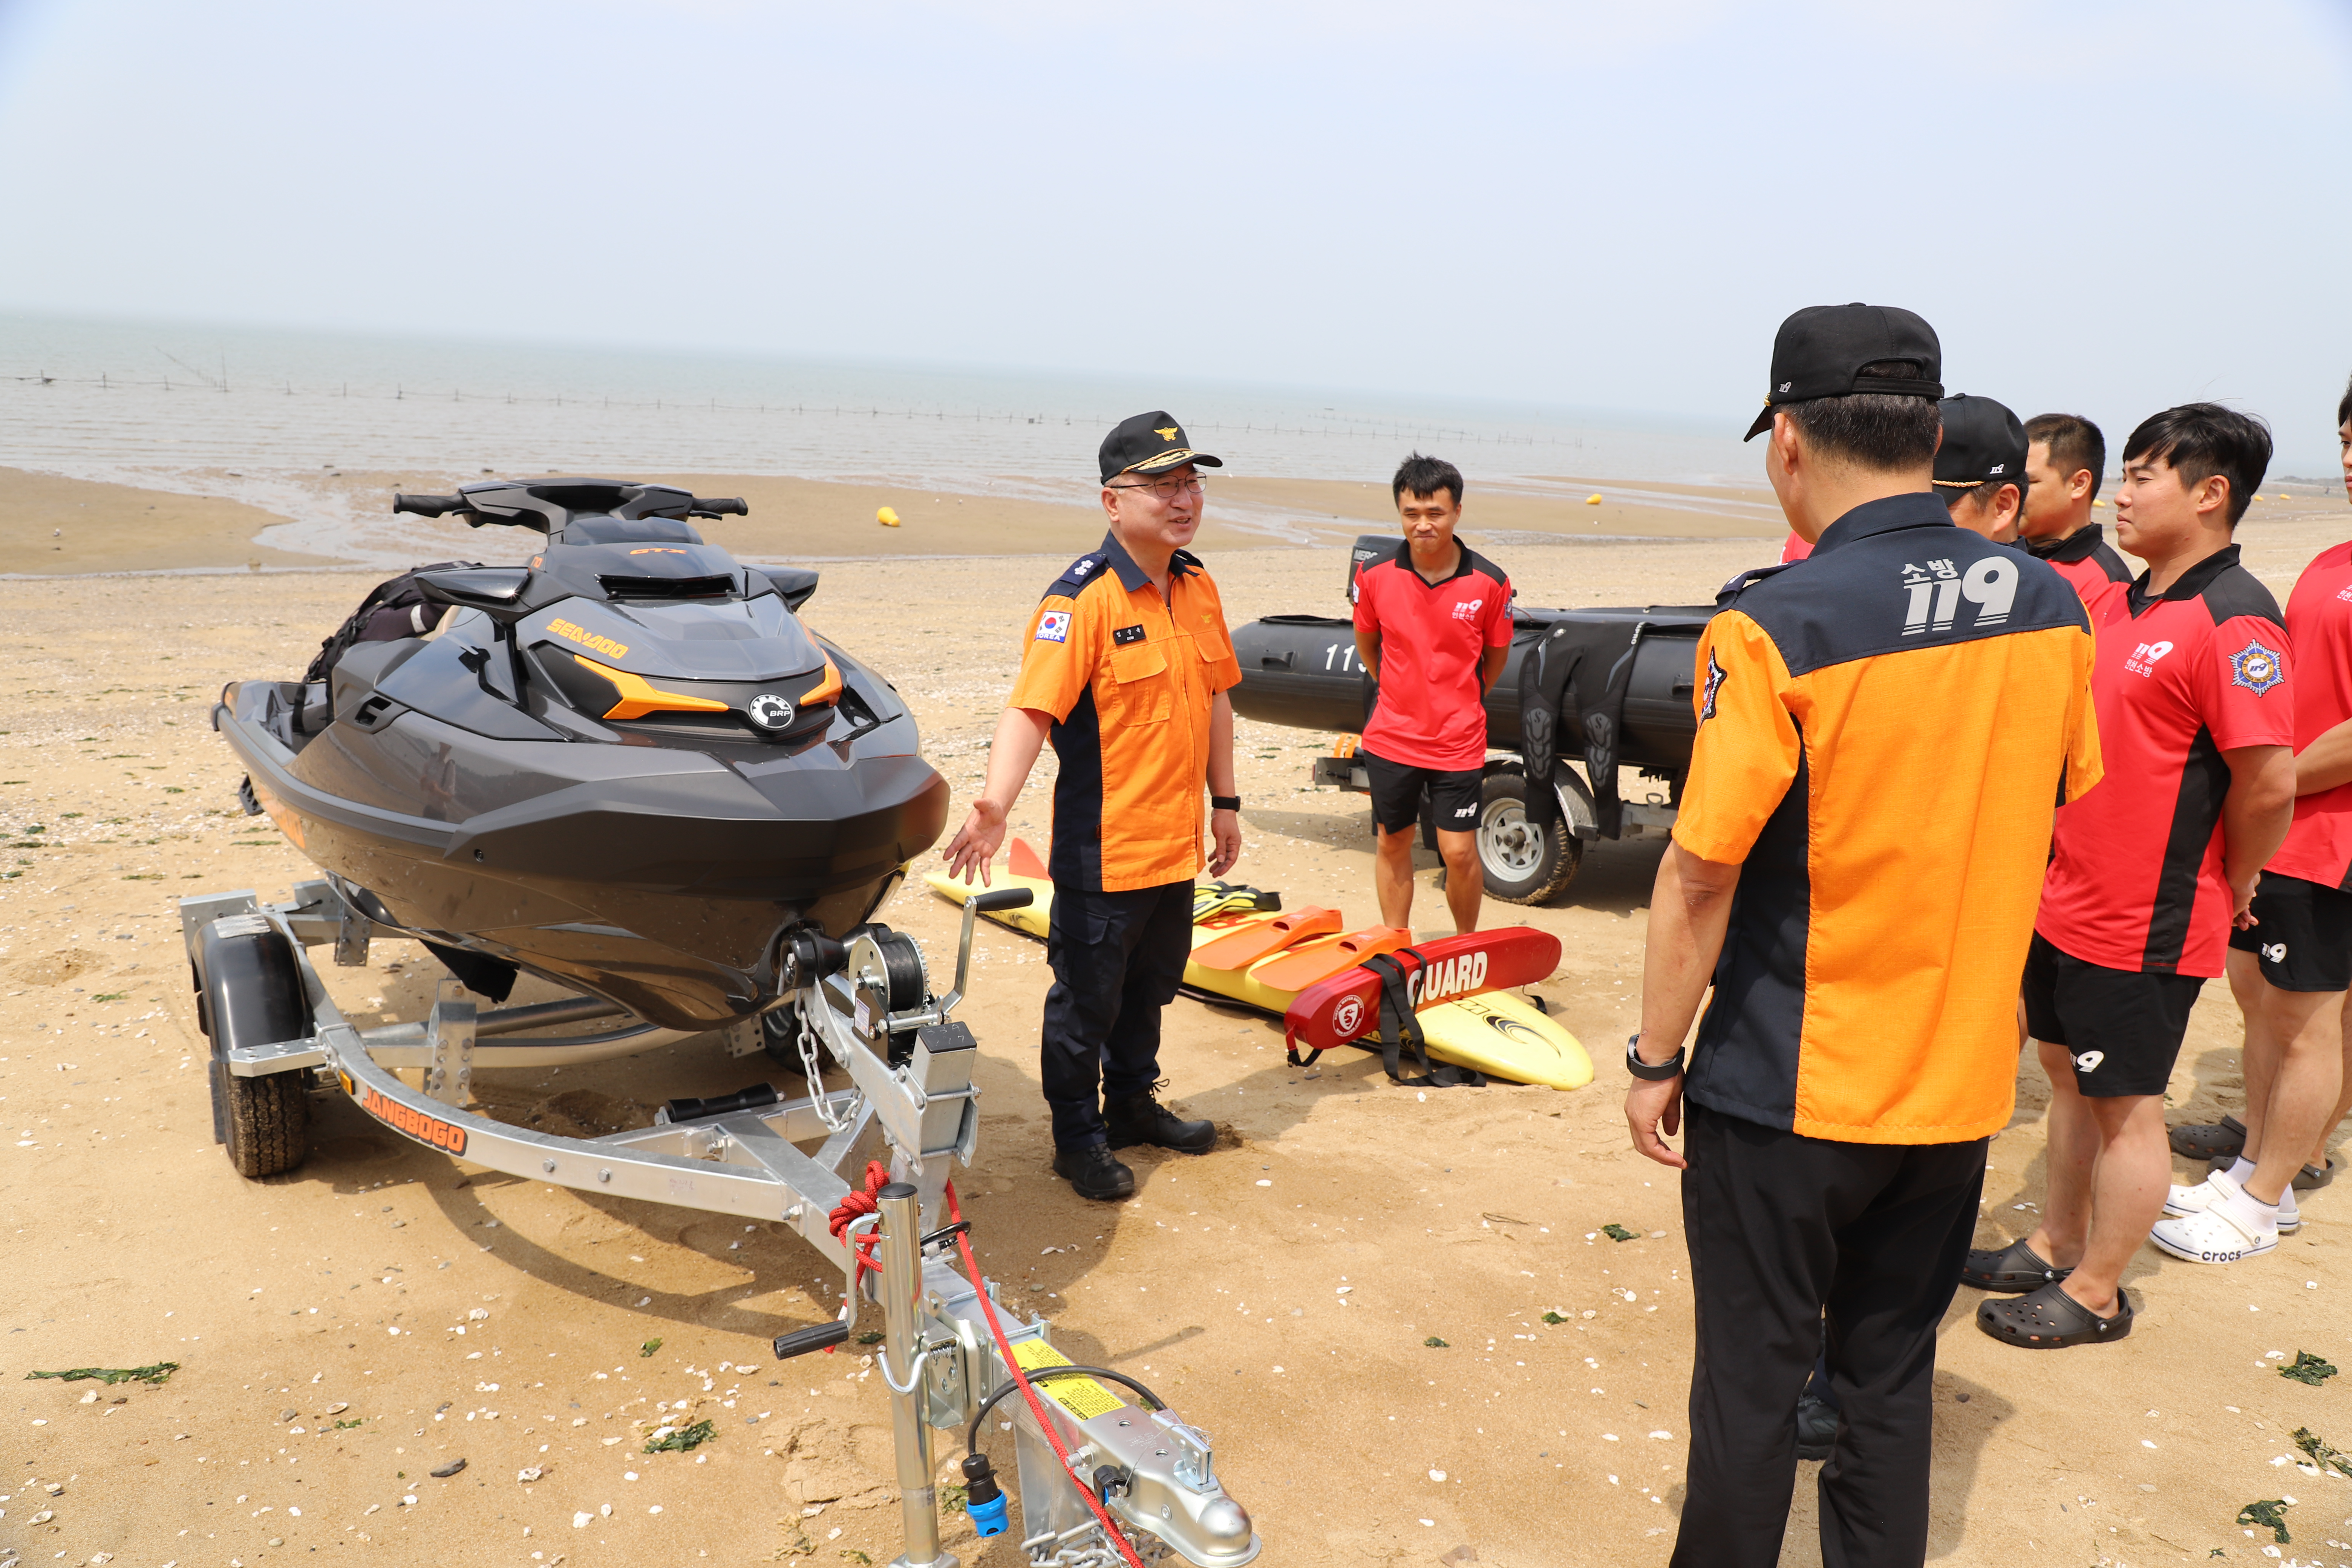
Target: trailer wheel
[253, 996]
[779, 1036]
[1521, 864]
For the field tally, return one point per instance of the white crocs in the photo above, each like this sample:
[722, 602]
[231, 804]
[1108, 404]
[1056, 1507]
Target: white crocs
[2182, 1201]
[2227, 1231]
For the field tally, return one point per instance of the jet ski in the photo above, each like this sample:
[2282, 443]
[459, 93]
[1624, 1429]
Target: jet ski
[627, 767]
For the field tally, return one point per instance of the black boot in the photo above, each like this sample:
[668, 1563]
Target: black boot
[1093, 1171]
[1817, 1427]
[1141, 1119]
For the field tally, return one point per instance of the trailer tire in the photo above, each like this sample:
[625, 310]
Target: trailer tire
[253, 996]
[1520, 864]
[779, 1036]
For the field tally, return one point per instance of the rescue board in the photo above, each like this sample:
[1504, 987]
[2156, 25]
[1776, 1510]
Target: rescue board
[1476, 1025]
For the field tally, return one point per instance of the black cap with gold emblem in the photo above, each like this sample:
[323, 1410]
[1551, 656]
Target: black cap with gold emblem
[1150, 444]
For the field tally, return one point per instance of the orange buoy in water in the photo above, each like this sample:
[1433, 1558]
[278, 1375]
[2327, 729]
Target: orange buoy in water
[886, 518]
[1593, 500]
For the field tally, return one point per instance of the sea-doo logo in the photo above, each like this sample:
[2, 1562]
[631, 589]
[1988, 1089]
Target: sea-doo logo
[425, 1128]
[658, 550]
[1348, 1017]
[2143, 659]
[2255, 667]
[771, 711]
[1053, 625]
[1447, 977]
[587, 638]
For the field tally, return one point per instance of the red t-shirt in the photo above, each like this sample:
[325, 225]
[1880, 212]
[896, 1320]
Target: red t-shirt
[1433, 636]
[1794, 548]
[2085, 559]
[2319, 848]
[2136, 879]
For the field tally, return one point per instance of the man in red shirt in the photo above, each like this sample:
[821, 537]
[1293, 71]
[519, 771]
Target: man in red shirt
[1433, 627]
[2291, 970]
[2065, 455]
[2148, 872]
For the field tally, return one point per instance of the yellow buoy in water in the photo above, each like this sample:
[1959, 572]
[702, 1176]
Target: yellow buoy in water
[886, 518]
[1593, 499]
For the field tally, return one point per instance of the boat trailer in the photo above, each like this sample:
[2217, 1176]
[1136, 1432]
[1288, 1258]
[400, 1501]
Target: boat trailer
[1102, 1481]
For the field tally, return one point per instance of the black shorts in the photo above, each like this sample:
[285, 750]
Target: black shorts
[1397, 790]
[2122, 1026]
[2302, 934]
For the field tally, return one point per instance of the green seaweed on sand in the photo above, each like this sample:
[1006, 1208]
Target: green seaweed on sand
[648, 1348]
[1618, 1233]
[2269, 1514]
[1553, 1318]
[2326, 1457]
[679, 1441]
[155, 1375]
[1433, 1343]
[2308, 1368]
[870, 1337]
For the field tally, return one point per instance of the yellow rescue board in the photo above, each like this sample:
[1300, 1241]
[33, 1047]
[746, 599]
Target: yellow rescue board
[1500, 1034]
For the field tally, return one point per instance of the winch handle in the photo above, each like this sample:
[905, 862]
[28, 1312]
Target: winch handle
[979, 904]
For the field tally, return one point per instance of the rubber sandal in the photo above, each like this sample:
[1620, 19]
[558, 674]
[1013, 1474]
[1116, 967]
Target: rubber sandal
[2218, 1234]
[2181, 1202]
[2050, 1319]
[2311, 1177]
[2011, 1270]
[2225, 1140]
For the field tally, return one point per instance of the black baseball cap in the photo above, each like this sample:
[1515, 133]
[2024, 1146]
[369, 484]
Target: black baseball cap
[1983, 442]
[1821, 350]
[1150, 444]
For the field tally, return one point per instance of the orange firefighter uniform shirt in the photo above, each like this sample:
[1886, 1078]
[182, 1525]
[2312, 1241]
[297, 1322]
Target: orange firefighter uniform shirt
[1886, 729]
[1129, 678]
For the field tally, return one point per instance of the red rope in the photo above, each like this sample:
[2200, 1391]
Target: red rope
[1029, 1392]
[854, 1208]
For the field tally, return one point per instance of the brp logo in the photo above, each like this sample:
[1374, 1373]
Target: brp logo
[771, 711]
[1348, 1017]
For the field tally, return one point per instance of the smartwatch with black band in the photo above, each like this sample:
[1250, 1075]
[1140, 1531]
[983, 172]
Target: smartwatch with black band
[1671, 1068]
[1225, 803]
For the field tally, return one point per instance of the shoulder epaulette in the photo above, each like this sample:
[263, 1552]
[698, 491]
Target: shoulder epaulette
[1749, 579]
[1077, 575]
[1187, 560]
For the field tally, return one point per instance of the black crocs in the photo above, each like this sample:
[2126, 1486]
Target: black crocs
[2224, 1140]
[2009, 1270]
[2050, 1319]
[2312, 1177]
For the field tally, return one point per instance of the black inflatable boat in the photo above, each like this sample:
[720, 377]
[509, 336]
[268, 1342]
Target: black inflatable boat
[626, 766]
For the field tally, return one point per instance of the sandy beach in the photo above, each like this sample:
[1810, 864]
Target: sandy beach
[384, 1310]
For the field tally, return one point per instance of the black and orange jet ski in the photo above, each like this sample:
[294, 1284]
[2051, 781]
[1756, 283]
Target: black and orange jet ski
[627, 767]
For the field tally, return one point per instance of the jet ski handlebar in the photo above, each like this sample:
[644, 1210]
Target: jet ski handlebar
[718, 506]
[432, 506]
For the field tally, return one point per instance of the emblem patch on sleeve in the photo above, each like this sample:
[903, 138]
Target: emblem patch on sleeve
[1714, 685]
[1053, 625]
[2255, 667]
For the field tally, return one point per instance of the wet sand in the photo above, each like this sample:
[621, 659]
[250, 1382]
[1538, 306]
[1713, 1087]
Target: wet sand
[1290, 1321]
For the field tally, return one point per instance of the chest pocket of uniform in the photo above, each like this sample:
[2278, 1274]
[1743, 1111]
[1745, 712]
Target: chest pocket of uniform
[1139, 675]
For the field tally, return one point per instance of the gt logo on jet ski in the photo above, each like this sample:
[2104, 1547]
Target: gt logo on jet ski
[771, 711]
[425, 1128]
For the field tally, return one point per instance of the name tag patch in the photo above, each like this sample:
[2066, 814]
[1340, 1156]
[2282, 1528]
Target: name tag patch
[1126, 635]
[1053, 625]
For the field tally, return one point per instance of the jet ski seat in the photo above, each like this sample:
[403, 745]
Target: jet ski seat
[294, 712]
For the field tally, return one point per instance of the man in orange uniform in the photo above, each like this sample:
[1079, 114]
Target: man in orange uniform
[1126, 666]
[1883, 734]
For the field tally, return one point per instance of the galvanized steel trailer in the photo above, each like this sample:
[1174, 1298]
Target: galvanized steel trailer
[278, 1038]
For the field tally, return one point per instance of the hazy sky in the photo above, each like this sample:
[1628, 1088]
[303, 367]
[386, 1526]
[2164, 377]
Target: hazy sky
[2111, 208]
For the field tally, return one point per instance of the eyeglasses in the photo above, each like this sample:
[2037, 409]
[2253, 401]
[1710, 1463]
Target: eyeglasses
[1166, 489]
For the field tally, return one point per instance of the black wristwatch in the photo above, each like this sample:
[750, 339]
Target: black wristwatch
[1225, 803]
[1671, 1068]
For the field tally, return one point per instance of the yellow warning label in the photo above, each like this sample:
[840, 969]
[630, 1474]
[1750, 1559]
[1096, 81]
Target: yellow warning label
[1081, 1396]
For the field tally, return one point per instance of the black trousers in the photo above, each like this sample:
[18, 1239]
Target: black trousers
[1789, 1236]
[1118, 959]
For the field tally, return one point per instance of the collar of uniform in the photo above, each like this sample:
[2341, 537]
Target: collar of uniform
[2189, 584]
[1131, 576]
[1404, 558]
[2079, 545]
[1916, 509]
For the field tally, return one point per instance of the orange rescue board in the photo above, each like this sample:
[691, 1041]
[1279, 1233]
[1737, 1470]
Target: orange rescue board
[1300, 970]
[1244, 948]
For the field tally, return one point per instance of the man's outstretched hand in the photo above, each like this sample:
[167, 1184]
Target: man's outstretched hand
[977, 842]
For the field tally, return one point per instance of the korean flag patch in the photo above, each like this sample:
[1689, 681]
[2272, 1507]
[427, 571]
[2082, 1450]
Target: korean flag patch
[1053, 625]
[2255, 667]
